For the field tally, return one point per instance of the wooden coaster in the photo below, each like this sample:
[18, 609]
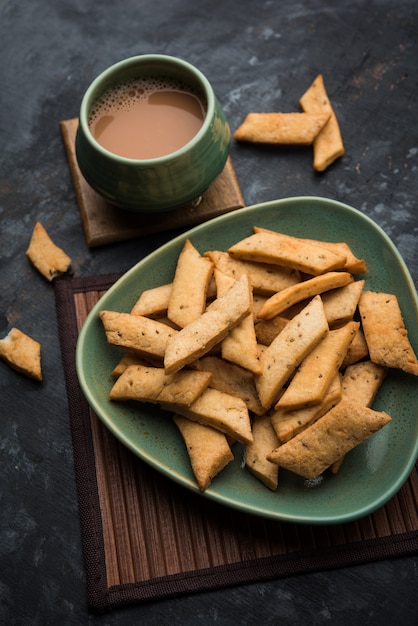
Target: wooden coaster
[104, 223]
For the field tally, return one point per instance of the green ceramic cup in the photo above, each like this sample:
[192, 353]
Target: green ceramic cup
[162, 183]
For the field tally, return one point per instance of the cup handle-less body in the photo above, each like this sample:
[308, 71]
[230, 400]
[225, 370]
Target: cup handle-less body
[162, 183]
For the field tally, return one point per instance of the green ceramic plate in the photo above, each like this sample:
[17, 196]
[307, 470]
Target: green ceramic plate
[371, 474]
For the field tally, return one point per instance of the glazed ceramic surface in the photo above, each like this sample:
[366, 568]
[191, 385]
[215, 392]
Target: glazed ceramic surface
[163, 183]
[370, 474]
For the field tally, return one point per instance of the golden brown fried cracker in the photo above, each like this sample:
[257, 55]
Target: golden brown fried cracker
[208, 450]
[232, 379]
[153, 302]
[385, 332]
[267, 330]
[265, 440]
[357, 351]
[45, 255]
[287, 424]
[328, 145]
[306, 289]
[144, 335]
[340, 304]
[190, 285]
[280, 249]
[226, 413]
[337, 432]
[264, 278]
[198, 337]
[281, 128]
[22, 353]
[281, 358]
[361, 382]
[314, 375]
[240, 345]
[352, 264]
[151, 384]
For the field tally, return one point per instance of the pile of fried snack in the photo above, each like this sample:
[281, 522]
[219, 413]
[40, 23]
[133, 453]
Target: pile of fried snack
[274, 343]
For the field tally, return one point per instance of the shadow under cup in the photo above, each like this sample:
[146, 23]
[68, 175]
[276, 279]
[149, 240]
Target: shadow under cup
[162, 183]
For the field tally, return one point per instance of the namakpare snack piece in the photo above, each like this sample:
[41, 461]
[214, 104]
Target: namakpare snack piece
[328, 145]
[281, 128]
[151, 384]
[198, 337]
[146, 336]
[22, 353]
[337, 432]
[290, 296]
[189, 289]
[45, 255]
[208, 449]
[385, 332]
[285, 250]
[280, 360]
[226, 413]
[265, 440]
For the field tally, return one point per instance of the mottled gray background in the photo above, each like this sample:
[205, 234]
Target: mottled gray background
[258, 56]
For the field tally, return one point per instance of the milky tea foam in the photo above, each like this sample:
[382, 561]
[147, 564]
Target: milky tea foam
[146, 118]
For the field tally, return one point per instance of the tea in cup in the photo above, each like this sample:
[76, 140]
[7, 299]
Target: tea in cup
[152, 135]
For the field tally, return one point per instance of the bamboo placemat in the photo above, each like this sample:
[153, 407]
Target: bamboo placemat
[146, 538]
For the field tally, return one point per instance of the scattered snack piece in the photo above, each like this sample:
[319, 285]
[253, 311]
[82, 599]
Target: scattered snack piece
[227, 413]
[152, 384]
[210, 328]
[190, 285]
[281, 249]
[22, 353]
[265, 440]
[337, 432]
[310, 383]
[279, 361]
[306, 289]
[328, 144]
[48, 258]
[385, 332]
[208, 450]
[282, 128]
[146, 336]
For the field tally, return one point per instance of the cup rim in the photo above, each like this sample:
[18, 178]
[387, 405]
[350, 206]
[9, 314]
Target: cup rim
[139, 59]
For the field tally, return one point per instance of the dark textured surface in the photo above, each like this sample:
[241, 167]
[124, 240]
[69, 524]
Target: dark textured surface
[258, 56]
